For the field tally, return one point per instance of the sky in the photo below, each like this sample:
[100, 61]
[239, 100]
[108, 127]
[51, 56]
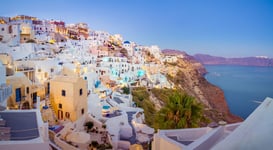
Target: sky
[229, 28]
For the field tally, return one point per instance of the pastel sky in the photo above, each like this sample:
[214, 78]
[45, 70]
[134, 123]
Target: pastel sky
[230, 28]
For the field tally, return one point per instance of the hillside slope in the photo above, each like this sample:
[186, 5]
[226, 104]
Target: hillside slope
[187, 74]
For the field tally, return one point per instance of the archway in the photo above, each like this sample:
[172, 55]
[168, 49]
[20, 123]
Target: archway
[26, 105]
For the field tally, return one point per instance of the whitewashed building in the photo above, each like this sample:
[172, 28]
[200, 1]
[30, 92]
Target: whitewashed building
[97, 38]
[45, 69]
[10, 34]
[155, 51]
[170, 59]
[129, 47]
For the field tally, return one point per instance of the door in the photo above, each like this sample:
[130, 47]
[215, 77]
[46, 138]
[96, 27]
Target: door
[60, 114]
[48, 88]
[18, 94]
[34, 97]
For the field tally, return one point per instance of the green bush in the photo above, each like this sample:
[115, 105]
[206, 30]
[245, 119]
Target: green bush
[126, 90]
[89, 125]
[94, 143]
[181, 111]
[141, 98]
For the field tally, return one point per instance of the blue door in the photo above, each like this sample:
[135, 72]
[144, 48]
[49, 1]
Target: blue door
[18, 94]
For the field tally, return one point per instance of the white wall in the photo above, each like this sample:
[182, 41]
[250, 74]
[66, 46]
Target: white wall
[2, 73]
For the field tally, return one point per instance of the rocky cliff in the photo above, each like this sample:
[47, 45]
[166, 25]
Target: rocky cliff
[188, 74]
[246, 61]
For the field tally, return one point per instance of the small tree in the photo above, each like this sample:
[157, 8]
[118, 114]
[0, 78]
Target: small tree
[181, 111]
[94, 143]
[89, 125]
[126, 90]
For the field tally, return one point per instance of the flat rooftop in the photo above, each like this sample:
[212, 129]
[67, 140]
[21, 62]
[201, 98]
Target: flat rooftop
[23, 125]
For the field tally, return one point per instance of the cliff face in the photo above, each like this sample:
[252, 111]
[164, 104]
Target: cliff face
[188, 74]
[247, 61]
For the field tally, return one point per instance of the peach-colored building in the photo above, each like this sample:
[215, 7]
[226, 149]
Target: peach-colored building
[68, 95]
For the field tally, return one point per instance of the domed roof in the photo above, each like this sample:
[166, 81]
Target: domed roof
[126, 42]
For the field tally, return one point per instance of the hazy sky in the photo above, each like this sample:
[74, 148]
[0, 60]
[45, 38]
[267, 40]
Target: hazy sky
[231, 28]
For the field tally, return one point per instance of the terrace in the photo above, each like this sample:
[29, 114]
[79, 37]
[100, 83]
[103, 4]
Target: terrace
[10, 130]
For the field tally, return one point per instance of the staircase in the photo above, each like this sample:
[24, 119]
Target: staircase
[4, 131]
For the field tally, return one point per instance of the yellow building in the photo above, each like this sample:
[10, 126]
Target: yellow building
[68, 96]
[26, 32]
[24, 94]
[7, 61]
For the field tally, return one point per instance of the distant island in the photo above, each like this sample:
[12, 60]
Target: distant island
[244, 61]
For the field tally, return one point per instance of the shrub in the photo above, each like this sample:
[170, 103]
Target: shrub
[30, 41]
[126, 90]
[108, 146]
[94, 143]
[89, 125]
[141, 98]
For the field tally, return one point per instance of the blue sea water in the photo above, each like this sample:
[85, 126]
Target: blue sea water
[243, 86]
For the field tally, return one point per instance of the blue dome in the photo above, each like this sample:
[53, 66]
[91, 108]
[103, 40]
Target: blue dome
[105, 107]
[126, 42]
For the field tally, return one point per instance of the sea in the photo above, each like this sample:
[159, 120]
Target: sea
[245, 87]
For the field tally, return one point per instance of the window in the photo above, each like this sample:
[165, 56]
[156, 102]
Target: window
[82, 111]
[60, 106]
[80, 92]
[3, 29]
[85, 78]
[51, 70]
[67, 115]
[63, 92]
[27, 90]
[48, 88]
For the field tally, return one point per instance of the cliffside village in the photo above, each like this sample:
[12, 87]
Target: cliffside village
[63, 86]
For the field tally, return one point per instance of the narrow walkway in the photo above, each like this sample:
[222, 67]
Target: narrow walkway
[132, 140]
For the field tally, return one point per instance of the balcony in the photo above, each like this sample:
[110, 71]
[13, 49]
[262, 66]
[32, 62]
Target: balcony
[24, 68]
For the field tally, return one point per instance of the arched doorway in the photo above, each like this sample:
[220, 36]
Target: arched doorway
[26, 105]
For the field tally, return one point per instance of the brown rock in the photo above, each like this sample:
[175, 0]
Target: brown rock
[190, 78]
